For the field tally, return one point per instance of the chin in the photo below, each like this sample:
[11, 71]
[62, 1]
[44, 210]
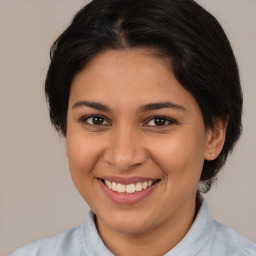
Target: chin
[129, 228]
[129, 223]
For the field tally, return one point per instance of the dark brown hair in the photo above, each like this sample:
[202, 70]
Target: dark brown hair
[202, 58]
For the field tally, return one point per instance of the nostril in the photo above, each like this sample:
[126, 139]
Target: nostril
[125, 161]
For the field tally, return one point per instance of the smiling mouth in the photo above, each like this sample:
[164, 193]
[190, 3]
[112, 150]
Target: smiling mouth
[129, 188]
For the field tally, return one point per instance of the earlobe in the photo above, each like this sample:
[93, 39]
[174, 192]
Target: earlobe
[216, 140]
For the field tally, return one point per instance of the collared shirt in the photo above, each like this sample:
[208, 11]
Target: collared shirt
[206, 237]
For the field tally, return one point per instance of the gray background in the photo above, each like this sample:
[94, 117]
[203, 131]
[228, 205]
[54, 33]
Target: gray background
[37, 197]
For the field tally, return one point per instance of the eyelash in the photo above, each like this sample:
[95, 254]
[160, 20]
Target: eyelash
[84, 120]
[163, 118]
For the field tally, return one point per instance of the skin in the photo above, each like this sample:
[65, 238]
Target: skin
[129, 143]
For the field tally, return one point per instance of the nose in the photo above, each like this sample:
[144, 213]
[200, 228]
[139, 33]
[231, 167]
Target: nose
[125, 149]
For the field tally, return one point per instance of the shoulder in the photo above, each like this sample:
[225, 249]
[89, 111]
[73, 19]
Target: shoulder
[229, 242]
[65, 243]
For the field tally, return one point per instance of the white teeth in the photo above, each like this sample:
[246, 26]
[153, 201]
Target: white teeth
[130, 188]
[138, 186]
[120, 188]
[144, 184]
[114, 185]
[108, 183]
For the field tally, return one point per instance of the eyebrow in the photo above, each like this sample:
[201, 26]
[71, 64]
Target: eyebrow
[160, 105]
[143, 108]
[91, 104]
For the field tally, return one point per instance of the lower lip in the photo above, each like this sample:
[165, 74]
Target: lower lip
[126, 198]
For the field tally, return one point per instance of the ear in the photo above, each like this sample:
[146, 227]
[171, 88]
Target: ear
[215, 139]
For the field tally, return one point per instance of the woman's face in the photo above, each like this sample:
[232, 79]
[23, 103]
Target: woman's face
[136, 141]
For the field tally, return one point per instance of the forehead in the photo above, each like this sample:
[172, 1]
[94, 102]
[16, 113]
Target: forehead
[129, 77]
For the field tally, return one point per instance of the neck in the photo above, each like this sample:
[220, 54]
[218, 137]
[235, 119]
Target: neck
[154, 242]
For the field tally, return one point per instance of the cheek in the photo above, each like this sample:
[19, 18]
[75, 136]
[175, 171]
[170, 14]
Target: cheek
[83, 154]
[181, 157]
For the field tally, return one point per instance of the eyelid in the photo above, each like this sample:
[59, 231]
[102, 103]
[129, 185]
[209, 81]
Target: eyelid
[168, 119]
[84, 119]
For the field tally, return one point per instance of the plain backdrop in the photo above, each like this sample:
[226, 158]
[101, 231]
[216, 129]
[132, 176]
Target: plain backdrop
[37, 196]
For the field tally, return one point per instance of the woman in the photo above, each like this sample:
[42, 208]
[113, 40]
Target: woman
[148, 97]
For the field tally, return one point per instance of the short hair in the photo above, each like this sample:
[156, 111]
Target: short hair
[202, 58]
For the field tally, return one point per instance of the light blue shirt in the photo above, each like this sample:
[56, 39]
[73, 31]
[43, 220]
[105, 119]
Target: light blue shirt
[206, 237]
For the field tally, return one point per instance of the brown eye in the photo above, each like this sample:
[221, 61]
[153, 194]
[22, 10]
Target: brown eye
[159, 121]
[95, 120]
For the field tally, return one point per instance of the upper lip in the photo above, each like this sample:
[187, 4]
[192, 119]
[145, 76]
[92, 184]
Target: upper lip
[127, 180]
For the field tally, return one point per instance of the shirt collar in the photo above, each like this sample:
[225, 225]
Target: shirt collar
[199, 236]
[93, 245]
